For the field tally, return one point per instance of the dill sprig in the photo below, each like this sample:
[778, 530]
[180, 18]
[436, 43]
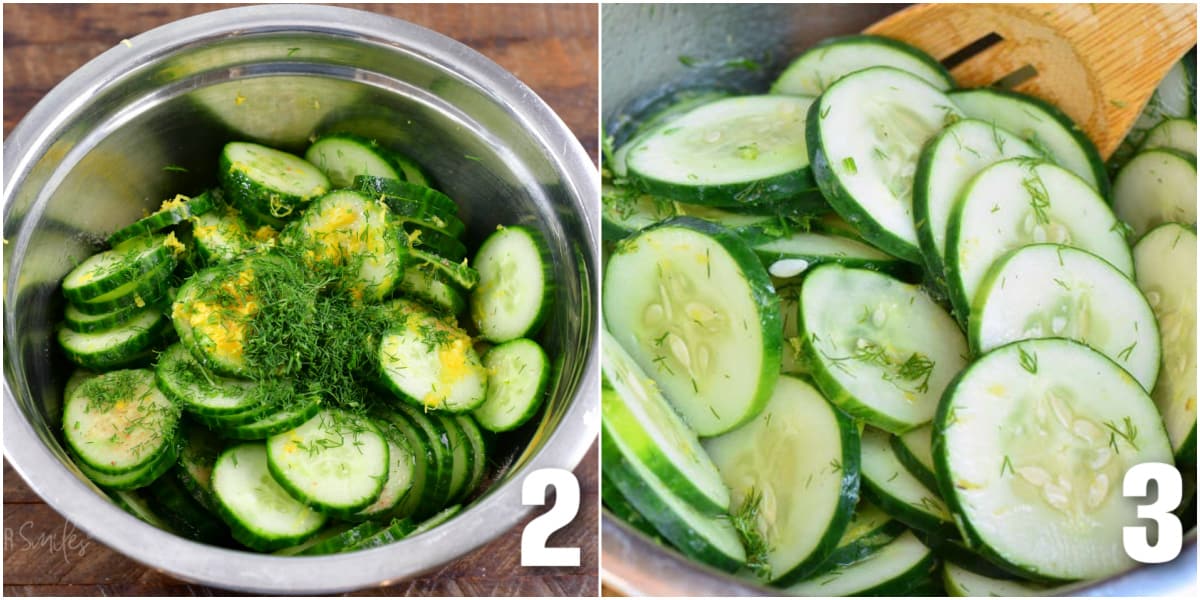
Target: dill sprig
[746, 522]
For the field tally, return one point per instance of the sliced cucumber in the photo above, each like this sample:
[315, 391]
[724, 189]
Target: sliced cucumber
[914, 450]
[516, 285]
[279, 418]
[441, 517]
[130, 480]
[136, 504]
[870, 529]
[435, 202]
[434, 289]
[626, 211]
[1174, 98]
[793, 362]
[401, 469]
[78, 376]
[198, 452]
[1172, 134]
[865, 135]
[626, 127]
[432, 364]
[753, 228]
[614, 501]
[459, 273]
[342, 540]
[1048, 290]
[734, 151]
[125, 344]
[963, 582]
[344, 156]
[222, 236]
[1040, 124]
[346, 228]
[799, 458]
[1166, 272]
[824, 63]
[82, 322]
[518, 372]
[259, 511]
[335, 462]
[186, 516]
[425, 462]
[881, 350]
[172, 212]
[640, 420]
[790, 257]
[1155, 187]
[196, 390]
[695, 308]
[148, 290]
[269, 183]
[1018, 202]
[441, 471]
[1042, 494]
[479, 454]
[461, 456]
[947, 163]
[115, 269]
[899, 568]
[706, 538]
[899, 493]
[119, 422]
[433, 240]
[396, 531]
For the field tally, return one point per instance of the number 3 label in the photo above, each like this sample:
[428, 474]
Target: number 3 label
[534, 552]
[1170, 531]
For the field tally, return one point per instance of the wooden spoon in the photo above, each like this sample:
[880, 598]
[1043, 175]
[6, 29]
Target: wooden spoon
[1099, 63]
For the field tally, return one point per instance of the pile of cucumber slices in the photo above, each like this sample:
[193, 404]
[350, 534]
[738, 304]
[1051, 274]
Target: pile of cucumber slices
[873, 334]
[302, 360]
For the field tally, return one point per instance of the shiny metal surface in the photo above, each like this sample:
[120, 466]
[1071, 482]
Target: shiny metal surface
[651, 50]
[90, 157]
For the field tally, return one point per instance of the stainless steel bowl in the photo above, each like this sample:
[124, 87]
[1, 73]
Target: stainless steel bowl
[651, 51]
[90, 157]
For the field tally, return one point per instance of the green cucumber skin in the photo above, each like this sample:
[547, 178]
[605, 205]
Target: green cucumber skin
[954, 548]
[918, 521]
[398, 530]
[614, 501]
[420, 492]
[860, 548]
[437, 480]
[941, 461]
[838, 395]
[914, 466]
[440, 203]
[885, 41]
[843, 203]
[897, 268]
[437, 242]
[932, 261]
[457, 439]
[107, 321]
[159, 258]
[266, 426]
[545, 261]
[134, 352]
[152, 289]
[479, 446]
[344, 540]
[615, 417]
[130, 481]
[533, 407]
[1099, 171]
[762, 292]
[852, 482]
[185, 515]
[682, 537]
[250, 539]
[796, 186]
[162, 219]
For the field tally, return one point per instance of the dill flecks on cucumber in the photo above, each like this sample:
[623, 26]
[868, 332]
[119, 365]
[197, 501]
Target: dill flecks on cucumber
[289, 353]
[903, 323]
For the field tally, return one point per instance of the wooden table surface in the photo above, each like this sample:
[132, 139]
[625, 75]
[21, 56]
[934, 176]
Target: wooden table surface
[552, 48]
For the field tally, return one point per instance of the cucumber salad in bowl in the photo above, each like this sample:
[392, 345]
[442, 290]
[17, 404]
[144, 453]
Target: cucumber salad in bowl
[306, 358]
[871, 333]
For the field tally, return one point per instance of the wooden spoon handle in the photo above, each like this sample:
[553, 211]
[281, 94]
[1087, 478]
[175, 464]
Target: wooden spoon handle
[1099, 63]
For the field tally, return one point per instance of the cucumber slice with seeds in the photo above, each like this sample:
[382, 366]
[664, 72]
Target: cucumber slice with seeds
[626, 211]
[431, 363]
[344, 156]
[518, 372]
[1155, 187]
[277, 418]
[401, 467]
[734, 151]
[880, 350]
[1048, 290]
[865, 135]
[791, 257]
[1166, 273]
[947, 163]
[260, 512]
[799, 456]
[272, 184]
[196, 390]
[824, 63]
[335, 462]
[222, 236]
[638, 418]
[695, 308]
[1041, 495]
[118, 422]
[516, 287]
[434, 289]
[1017, 202]
[960, 581]
[1040, 124]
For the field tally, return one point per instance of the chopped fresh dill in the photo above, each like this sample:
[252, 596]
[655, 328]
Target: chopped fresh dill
[175, 169]
[1006, 466]
[1039, 196]
[1127, 431]
[1127, 352]
[849, 165]
[746, 522]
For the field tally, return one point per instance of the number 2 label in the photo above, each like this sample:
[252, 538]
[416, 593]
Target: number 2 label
[1170, 530]
[534, 552]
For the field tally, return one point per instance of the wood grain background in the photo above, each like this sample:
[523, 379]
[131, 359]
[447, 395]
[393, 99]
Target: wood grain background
[552, 48]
